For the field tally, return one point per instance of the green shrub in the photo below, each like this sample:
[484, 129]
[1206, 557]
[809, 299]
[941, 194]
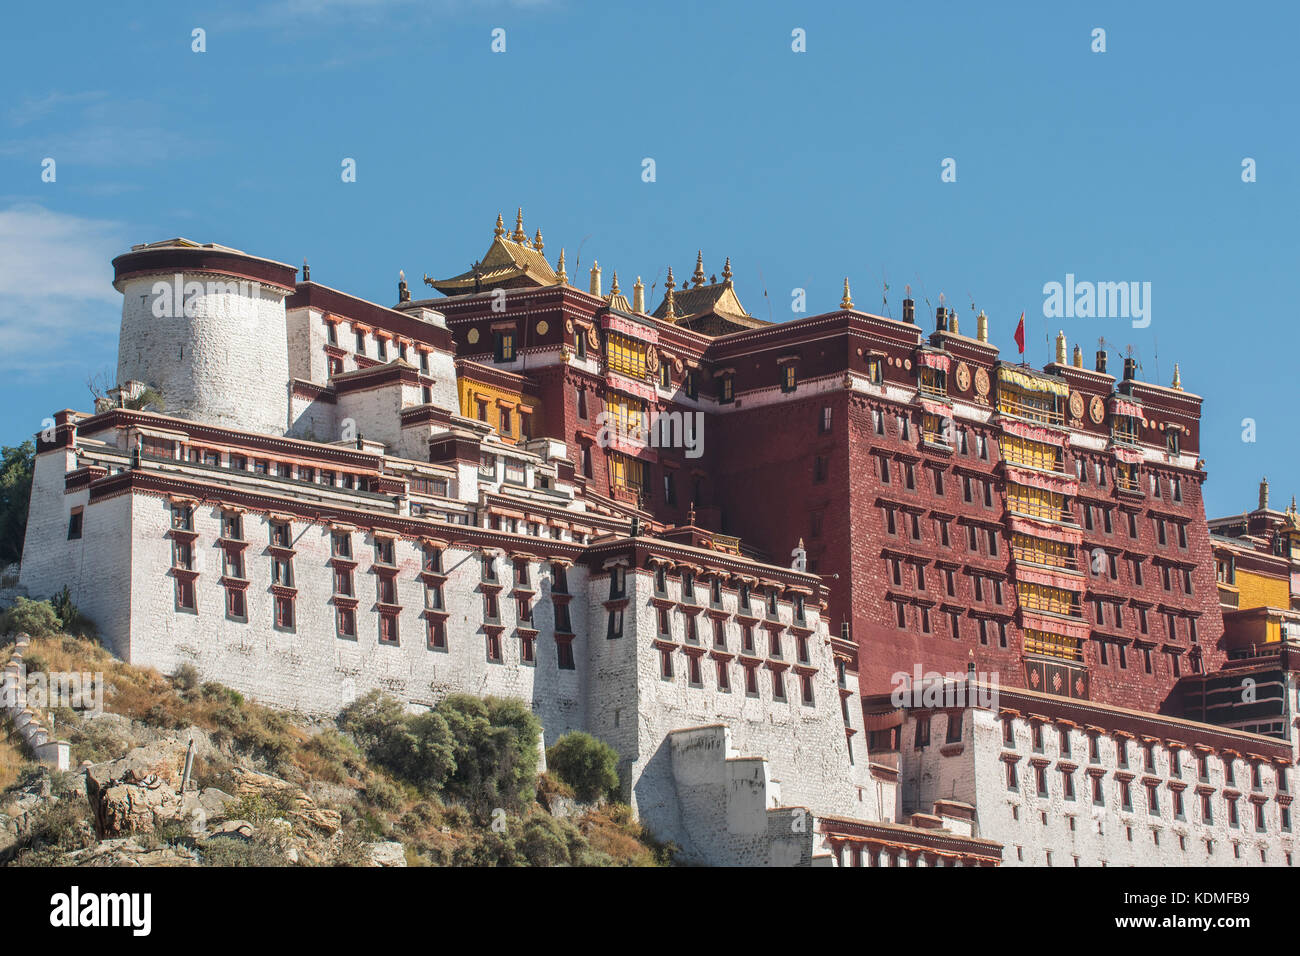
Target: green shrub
[34, 618]
[70, 618]
[186, 677]
[587, 764]
[415, 747]
[235, 852]
[495, 752]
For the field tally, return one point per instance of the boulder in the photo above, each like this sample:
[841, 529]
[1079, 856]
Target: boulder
[135, 793]
[129, 851]
[383, 854]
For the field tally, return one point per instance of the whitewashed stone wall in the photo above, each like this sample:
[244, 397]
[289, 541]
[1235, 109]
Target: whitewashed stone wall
[636, 710]
[312, 670]
[227, 365]
[1031, 827]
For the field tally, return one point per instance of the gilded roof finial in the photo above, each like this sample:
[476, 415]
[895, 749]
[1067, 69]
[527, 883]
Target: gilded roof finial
[847, 301]
[1178, 378]
[501, 227]
[595, 277]
[981, 325]
[519, 235]
[1078, 356]
[726, 270]
[1060, 347]
[697, 279]
[670, 306]
[561, 277]
[537, 241]
[613, 288]
[638, 297]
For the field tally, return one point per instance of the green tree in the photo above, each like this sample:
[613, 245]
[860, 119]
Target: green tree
[34, 618]
[586, 763]
[495, 752]
[16, 466]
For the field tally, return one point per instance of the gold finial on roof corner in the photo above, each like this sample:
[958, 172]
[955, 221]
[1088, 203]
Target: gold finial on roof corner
[501, 227]
[982, 327]
[952, 322]
[519, 235]
[697, 279]
[1178, 378]
[1078, 356]
[726, 270]
[595, 277]
[613, 288]
[847, 301]
[670, 305]
[561, 277]
[638, 297]
[1060, 347]
[537, 241]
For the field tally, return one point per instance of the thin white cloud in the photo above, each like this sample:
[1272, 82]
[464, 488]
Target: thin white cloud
[58, 307]
[93, 129]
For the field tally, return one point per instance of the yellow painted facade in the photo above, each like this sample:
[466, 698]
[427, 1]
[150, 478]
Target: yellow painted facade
[503, 409]
[1258, 590]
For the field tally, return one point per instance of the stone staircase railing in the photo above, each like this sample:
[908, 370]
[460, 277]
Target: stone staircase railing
[27, 725]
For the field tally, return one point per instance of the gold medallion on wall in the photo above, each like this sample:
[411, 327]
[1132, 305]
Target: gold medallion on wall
[1097, 410]
[963, 376]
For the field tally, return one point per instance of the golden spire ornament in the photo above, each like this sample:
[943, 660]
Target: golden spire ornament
[537, 241]
[638, 297]
[847, 301]
[670, 306]
[726, 270]
[501, 227]
[697, 280]
[519, 235]
[1178, 378]
[561, 277]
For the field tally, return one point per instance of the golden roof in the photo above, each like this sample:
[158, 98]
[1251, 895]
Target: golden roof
[708, 308]
[511, 261]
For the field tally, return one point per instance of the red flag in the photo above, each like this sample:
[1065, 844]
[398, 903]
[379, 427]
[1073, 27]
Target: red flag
[1020, 334]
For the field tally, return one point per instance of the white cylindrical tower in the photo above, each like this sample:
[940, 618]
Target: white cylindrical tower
[204, 325]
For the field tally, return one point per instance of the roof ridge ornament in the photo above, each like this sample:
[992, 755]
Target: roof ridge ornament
[501, 227]
[697, 279]
[726, 271]
[845, 303]
[519, 235]
[561, 277]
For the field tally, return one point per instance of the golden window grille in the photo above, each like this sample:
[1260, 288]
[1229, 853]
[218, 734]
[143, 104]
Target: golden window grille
[1039, 408]
[1044, 597]
[1033, 454]
[626, 412]
[1053, 645]
[1035, 502]
[932, 429]
[626, 355]
[933, 382]
[1126, 476]
[627, 473]
[1056, 554]
[1125, 430]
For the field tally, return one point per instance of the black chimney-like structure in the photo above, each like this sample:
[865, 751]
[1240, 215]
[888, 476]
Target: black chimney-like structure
[909, 311]
[1101, 360]
[1130, 369]
[941, 319]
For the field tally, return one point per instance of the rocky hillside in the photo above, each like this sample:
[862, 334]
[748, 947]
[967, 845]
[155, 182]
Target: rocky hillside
[268, 788]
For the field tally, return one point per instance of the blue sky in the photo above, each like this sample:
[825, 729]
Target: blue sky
[803, 167]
